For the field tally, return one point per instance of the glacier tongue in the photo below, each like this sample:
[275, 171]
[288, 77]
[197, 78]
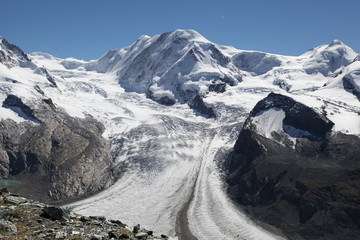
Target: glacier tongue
[212, 215]
[171, 171]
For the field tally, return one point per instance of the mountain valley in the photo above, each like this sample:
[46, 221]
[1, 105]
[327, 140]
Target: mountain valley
[189, 138]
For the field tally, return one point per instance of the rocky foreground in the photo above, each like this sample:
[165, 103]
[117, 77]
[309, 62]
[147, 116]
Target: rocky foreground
[21, 218]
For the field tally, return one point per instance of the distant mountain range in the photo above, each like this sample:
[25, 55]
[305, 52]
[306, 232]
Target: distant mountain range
[178, 133]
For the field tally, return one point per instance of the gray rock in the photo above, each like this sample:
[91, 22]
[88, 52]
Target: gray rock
[124, 236]
[97, 218]
[217, 87]
[112, 234]
[136, 228]
[4, 164]
[198, 105]
[15, 200]
[60, 235]
[84, 219]
[7, 226]
[56, 213]
[96, 237]
[141, 235]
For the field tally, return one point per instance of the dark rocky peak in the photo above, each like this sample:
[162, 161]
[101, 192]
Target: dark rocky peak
[297, 115]
[14, 48]
[11, 55]
[298, 189]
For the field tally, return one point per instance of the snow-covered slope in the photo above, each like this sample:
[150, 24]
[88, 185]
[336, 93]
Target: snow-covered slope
[169, 157]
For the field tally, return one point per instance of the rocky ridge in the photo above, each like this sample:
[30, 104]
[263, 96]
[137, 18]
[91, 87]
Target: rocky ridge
[54, 155]
[52, 152]
[22, 218]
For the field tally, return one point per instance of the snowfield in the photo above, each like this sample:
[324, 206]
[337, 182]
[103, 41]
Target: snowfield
[170, 156]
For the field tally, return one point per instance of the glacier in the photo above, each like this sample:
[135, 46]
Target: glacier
[169, 157]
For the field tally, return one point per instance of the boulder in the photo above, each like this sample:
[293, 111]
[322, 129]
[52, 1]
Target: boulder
[7, 227]
[141, 235]
[56, 213]
[136, 228]
[15, 200]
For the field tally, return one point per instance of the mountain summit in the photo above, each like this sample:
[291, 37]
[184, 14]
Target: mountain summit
[330, 58]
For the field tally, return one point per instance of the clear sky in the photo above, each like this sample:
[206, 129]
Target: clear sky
[86, 29]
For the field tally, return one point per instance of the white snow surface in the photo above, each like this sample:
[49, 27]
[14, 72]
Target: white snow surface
[269, 121]
[170, 155]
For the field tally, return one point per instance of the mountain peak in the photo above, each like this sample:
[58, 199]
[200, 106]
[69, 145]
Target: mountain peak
[11, 54]
[328, 59]
[143, 38]
[186, 31]
[336, 42]
[189, 35]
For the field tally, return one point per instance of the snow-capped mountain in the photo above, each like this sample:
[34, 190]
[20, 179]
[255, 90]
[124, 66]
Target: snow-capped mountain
[161, 116]
[176, 66]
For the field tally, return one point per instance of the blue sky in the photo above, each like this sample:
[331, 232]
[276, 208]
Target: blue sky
[87, 29]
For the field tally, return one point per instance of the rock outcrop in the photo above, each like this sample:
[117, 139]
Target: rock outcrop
[11, 54]
[309, 189]
[54, 155]
[351, 83]
[198, 105]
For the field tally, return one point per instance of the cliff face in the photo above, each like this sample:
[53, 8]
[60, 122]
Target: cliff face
[304, 181]
[54, 155]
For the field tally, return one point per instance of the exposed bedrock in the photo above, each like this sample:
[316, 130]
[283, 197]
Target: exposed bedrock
[54, 155]
[310, 190]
